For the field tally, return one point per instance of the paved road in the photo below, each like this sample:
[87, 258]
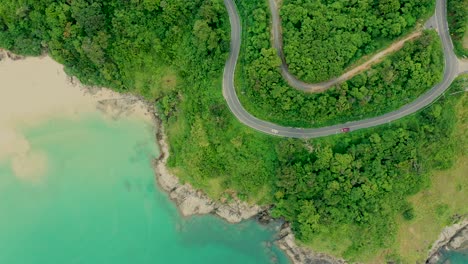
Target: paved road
[450, 72]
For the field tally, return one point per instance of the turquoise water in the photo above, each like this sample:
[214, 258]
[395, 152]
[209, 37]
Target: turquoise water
[98, 203]
[454, 257]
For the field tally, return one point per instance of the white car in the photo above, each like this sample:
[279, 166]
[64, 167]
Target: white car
[274, 131]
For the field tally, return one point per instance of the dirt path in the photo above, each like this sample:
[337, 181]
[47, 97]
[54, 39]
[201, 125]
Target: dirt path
[462, 66]
[379, 56]
[322, 86]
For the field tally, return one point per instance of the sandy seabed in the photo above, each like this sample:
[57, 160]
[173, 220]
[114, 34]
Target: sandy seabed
[35, 90]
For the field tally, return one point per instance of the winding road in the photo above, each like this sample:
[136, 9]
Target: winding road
[294, 82]
[451, 70]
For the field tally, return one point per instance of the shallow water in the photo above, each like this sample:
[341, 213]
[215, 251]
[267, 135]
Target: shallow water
[96, 202]
[454, 257]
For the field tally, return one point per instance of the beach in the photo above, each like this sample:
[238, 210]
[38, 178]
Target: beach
[34, 90]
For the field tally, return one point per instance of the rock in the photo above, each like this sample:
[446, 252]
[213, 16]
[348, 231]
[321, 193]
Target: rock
[301, 255]
[453, 237]
[264, 217]
[13, 56]
[237, 211]
[191, 202]
[460, 240]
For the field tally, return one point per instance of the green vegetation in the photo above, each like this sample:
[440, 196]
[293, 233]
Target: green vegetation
[126, 45]
[342, 194]
[322, 38]
[458, 21]
[444, 202]
[348, 190]
[397, 80]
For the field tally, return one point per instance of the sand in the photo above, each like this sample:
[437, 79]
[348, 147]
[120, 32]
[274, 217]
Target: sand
[35, 90]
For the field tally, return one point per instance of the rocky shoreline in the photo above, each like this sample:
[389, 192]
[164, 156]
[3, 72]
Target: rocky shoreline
[302, 255]
[10, 55]
[194, 202]
[189, 200]
[452, 238]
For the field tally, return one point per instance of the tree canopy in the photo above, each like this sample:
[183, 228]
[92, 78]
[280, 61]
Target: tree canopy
[458, 21]
[322, 38]
[111, 43]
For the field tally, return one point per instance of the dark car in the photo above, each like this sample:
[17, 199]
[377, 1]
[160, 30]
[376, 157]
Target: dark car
[345, 129]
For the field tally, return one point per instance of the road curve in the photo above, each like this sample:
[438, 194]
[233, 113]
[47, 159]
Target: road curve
[293, 81]
[229, 91]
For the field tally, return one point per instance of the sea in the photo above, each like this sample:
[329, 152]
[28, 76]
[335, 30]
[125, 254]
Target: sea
[454, 257]
[97, 202]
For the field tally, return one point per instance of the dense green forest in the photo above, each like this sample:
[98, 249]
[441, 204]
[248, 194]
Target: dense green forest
[399, 79]
[127, 45]
[344, 190]
[349, 188]
[322, 38]
[458, 21]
